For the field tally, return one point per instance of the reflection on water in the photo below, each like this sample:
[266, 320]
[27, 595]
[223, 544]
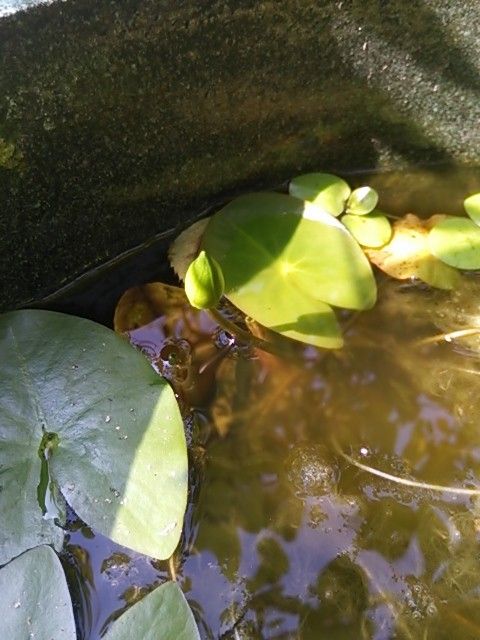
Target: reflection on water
[285, 538]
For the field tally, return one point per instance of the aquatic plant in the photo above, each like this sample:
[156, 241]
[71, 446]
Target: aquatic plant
[85, 421]
[289, 260]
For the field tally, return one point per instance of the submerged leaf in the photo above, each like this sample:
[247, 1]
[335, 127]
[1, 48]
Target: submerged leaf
[120, 459]
[35, 601]
[140, 305]
[327, 191]
[407, 255]
[371, 230]
[456, 242]
[472, 207]
[285, 262]
[163, 613]
[362, 201]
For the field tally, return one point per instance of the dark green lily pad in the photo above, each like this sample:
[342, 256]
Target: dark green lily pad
[327, 191]
[117, 448]
[371, 230]
[456, 241]
[164, 613]
[35, 601]
[285, 261]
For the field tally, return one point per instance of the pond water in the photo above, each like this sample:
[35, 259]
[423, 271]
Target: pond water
[299, 524]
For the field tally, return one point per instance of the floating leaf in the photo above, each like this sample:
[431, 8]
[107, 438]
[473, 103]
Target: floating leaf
[204, 282]
[163, 613]
[456, 242]
[371, 230]
[283, 268]
[362, 201]
[35, 601]
[472, 207]
[327, 191]
[407, 255]
[118, 454]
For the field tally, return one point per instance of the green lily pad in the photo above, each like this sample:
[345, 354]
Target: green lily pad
[362, 201]
[371, 230]
[164, 613]
[472, 207]
[456, 241]
[327, 191]
[285, 261]
[107, 427]
[35, 601]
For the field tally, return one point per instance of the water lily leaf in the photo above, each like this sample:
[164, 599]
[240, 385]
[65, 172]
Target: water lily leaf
[285, 261]
[456, 242]
[327, 191]
[163, 613]
[362, 201]
[472, 207]
[408, 255]
[35, 601]
[371, 230]
[111, 428]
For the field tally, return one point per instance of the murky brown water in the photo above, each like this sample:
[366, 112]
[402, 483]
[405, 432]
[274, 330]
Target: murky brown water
[292, 532]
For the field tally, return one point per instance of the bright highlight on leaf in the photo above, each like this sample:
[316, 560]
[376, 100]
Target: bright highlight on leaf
[204, 282]
[472, 207]
[327, 191]
[362, 201]
[284, 269]
[408, 254]
[371, 230]
[456, 242]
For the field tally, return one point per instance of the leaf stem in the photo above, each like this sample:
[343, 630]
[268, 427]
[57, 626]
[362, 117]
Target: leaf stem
[404, 481]
[448, 337]
[244, 336]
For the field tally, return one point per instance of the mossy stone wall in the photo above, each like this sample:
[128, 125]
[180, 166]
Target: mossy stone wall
[121, 119]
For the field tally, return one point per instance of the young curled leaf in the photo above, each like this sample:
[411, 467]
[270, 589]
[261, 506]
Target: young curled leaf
[204, 282]
[472, 207]
[362, 201]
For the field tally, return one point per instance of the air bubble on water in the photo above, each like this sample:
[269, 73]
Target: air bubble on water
[364, 451]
